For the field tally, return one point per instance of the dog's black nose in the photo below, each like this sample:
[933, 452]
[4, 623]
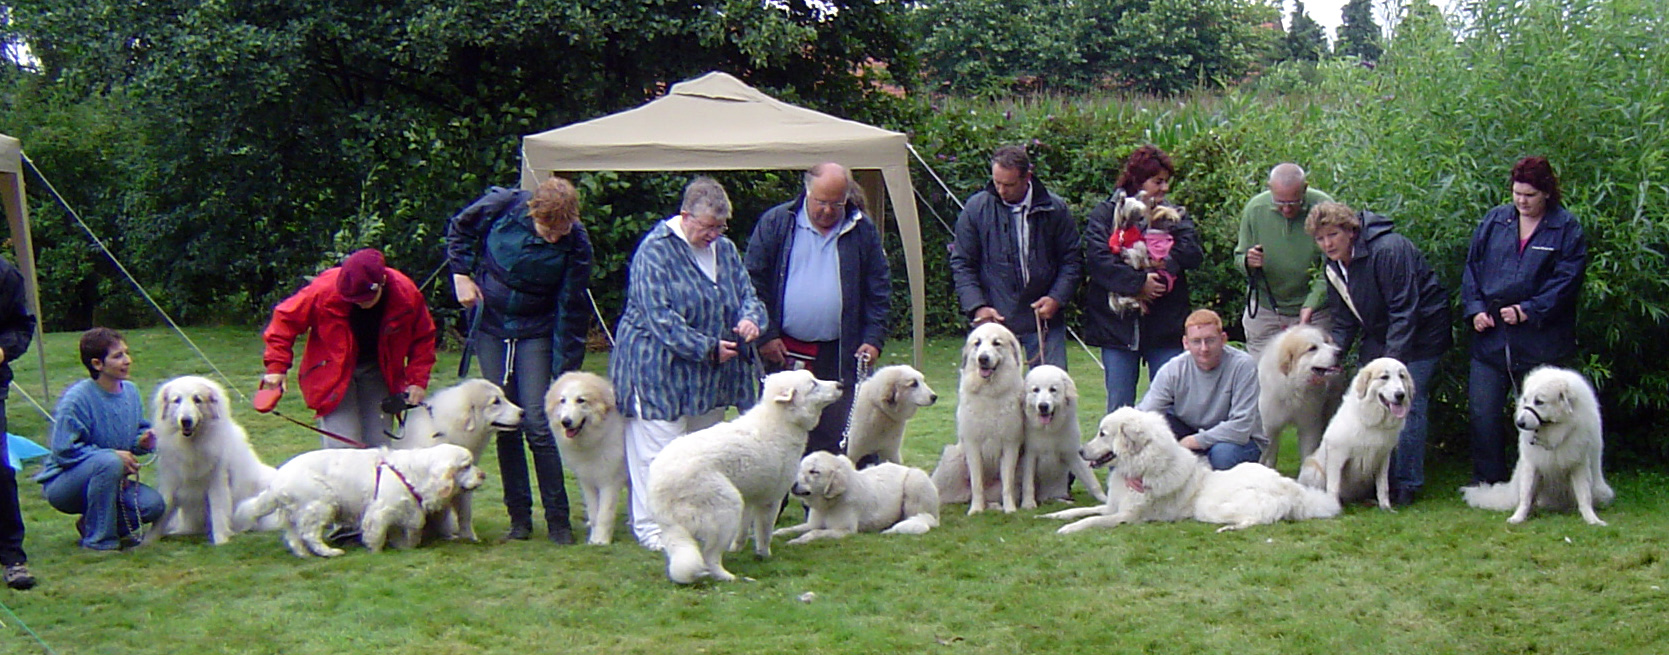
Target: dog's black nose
[568, 423]
[985, 361]
[1400, 396]
[932, 398]
[1045, 408]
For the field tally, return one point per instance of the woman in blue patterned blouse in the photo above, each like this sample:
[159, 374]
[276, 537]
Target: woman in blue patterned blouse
[684, 351]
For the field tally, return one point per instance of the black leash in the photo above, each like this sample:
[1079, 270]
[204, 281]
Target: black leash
[1255, 278]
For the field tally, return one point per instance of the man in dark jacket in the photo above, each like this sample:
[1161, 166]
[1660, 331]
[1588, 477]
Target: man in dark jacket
[1017, 259]
[1381, 289]
[796, 249]
[17, 328]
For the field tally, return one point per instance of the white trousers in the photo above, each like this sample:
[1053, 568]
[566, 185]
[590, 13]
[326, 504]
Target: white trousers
[644, 440]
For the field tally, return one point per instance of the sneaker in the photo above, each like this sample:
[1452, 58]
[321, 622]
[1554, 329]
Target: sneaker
[18, 577]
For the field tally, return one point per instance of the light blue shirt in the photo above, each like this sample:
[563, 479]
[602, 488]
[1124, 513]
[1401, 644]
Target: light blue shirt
[811, 295]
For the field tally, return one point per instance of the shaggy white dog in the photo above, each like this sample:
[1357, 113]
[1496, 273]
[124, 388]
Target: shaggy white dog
[704, 485]
[1299, 383]
[881, 407]
[989, 427]
[466, 414]
[841, 500]
[589, 432]
[204, 463]
[380, 490]
[1052, 436]
[1355, 452]
[1560, 445]
[1155, 479]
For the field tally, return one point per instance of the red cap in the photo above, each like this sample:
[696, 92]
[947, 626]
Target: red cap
[363, 274]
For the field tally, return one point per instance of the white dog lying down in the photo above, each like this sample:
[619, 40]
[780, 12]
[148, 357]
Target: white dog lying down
[1559, 451]
[1355, 453]
[205, 466]
[883, 404]
[1052, 435]
[589, 432]
[1299, 383]
[989, 428]
[465, 414]
[1156, 479]
[887, 498]
[704, 485]
[379, 489]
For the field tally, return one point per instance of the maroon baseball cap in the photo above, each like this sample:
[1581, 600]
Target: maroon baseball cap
[363, 274]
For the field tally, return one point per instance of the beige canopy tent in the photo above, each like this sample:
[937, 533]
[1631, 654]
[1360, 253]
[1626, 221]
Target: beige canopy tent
[715, 122]
[17, 216]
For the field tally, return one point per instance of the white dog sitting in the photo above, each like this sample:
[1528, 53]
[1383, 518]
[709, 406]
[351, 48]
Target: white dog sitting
[706, 486]
[1052, 437]
[590, 434]
[1355, 452]
[466, 414]
[378, 489]
[205, 466]
[1560, 446]
[841, 500]
[881, 407]
[989, 428]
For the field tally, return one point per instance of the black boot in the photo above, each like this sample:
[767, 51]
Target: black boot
[561, 533]
[553, 494]
[519, 531]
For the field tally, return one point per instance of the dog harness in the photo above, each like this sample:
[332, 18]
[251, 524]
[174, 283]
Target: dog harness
[383, 464]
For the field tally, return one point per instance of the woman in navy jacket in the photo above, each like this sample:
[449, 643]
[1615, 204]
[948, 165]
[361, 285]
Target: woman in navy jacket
[1523, 273]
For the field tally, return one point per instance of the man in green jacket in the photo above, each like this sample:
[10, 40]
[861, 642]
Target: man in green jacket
[1281, 259]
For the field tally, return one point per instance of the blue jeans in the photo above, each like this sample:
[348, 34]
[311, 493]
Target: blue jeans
[1123, 367]
[1408, 465]
[91, 487]
[522, 367]
[1054, 346]
[1486, 399]
[1225, 456]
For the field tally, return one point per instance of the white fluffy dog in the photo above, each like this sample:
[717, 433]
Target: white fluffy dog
[1299, 383]
[1156, 479]
[589, 432]
[1559, 451]
[1052, 436]
[704, 485]
[1355, 452]
[887, 498]
[881, 407]
[380, 490]
[466, 414]
[205, 466]
[989, 427]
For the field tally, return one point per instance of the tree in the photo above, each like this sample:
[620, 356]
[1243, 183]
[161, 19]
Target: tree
[1359, 36]
[1305, 40]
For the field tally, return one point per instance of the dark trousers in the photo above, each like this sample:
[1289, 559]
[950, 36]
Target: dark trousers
[522, 367]
[829, 365]
[1487, 391]
[11, 516]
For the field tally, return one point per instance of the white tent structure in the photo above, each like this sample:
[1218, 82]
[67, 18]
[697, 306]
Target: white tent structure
[17, 216]
[715, 122]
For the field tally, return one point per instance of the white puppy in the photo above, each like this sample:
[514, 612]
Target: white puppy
[465, 414]
[989, 427]
[1559, 451]
[704, 485]
[380, 490]
[887, 498]
[205, 466]
[1299, 383]
[589, 432]
[1156, 479]
[1052, 436]
[881, 407]
[1355, 452]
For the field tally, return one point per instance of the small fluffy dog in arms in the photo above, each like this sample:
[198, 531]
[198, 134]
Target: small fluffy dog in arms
[705, 486]
[1355, 453]
[380, 490]
[883, 404]
[589, 432]
[841, 500]
[1154, 478]
[205, 465]
[989, 426]
[1052, 438]
[1143, 249]
[1299, 384]
[1560, 445]
[466, 414]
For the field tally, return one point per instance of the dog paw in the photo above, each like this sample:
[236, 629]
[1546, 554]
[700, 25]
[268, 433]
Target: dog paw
[1517, 518]
[974, 508]
[1596, 521]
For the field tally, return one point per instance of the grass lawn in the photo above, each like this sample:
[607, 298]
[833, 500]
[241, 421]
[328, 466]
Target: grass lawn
[1436, 577]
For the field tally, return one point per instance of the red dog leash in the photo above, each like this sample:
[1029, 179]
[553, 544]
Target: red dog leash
[383, 464]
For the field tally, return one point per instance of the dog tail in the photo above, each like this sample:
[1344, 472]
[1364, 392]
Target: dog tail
[1501, 496]
[684, 564]
[1312, 475]
[918, 524]
[1314, 504]
[252, 510]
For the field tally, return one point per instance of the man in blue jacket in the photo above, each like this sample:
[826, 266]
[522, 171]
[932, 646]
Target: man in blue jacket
[796, 249]
[1017, 258]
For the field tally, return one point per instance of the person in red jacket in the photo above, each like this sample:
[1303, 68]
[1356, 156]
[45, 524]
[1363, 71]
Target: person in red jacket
[369, 336]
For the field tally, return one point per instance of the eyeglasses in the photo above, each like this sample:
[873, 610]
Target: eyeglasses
[1289, 203]
[711, 228]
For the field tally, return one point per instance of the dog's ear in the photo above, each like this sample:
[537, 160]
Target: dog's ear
[1565, 401]
[1288, 356]
[1363, 377]
[891, 397]
[785, 395]
[1132, 445]
[1019, 355]
[967, 351]
[835, 486]
[215, 400]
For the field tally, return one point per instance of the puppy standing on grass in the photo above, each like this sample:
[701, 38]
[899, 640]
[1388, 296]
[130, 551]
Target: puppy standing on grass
[883, 404]
[887, 498]
[1560, 445]
[464, 414]
[989, 428]
[589, 432]
[1355, 452]
[1052, 435]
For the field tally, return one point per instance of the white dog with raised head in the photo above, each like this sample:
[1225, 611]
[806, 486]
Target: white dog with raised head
[841, 500]
[1560, 445]
[380, 490]
[706, 486]
[1299, 383]
[205, 465]
[466, 414]
[590, 433]
[989, 427]
[1052, 436]
[1355, 454]
[881, 407]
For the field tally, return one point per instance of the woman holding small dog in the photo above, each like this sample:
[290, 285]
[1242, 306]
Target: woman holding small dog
[1155, 333]
[1523, 274]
